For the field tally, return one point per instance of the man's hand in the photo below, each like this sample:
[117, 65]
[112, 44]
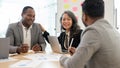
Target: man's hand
[23, 48]
[36, 48]
[71, 50]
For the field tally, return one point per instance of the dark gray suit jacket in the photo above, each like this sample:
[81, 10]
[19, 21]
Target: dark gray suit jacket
[15, 33]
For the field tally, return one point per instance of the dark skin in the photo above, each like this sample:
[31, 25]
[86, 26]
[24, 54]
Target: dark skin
[28, 18]
[23, 48]
[36, 48]
[71, 50]
[86, 21]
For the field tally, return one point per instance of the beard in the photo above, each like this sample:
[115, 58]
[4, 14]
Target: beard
[84, 23]
[27, 23]
[83, 20]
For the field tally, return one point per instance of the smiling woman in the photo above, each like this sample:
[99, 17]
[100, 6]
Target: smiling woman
[45, 13]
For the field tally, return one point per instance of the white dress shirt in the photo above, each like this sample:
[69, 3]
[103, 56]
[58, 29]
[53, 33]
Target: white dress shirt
[27, 35]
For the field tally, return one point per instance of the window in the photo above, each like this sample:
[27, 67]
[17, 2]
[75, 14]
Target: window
[10, 12]
[117, 11]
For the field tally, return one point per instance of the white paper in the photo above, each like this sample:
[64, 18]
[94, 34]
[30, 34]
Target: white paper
[43, 57]
[26, 64]
[7, 60]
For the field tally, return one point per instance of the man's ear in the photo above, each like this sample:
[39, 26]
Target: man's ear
[22, 15]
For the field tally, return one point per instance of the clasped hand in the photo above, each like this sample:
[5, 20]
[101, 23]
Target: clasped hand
[24, 48]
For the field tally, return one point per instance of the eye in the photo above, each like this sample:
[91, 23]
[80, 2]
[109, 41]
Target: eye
[68, 19]
[63, 19]
[30, 15]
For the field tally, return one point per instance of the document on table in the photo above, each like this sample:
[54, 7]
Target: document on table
[26, 64]
[44, 57]
[7, 60]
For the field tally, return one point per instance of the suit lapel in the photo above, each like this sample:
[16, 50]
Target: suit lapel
[63, 38]
[32, 34]
[20, 32]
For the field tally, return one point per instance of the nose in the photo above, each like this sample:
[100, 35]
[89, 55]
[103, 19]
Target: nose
[32, 18]
[66, 21]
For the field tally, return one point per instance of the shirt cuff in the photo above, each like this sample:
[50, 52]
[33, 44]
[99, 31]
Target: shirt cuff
[63, 59]
[13, 49]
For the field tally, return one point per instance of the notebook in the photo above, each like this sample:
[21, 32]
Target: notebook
[56, 47]
[4, 48]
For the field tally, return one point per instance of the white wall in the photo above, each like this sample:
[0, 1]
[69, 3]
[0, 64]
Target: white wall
[63, 5]
[109, 11]
[10, 12]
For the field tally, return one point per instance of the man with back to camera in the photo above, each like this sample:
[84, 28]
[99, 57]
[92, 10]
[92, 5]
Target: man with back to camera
[26, 34]
[100, 42]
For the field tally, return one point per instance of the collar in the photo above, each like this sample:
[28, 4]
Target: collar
[67, 33]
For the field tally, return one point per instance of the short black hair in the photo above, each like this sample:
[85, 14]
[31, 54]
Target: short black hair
[93, 8]
[25, 8]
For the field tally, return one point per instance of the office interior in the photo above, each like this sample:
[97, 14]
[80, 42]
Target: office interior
[46, 14]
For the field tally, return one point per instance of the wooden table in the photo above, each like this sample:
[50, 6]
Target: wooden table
[46, 64]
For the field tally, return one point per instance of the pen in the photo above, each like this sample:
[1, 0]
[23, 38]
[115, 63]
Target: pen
[71, 42]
